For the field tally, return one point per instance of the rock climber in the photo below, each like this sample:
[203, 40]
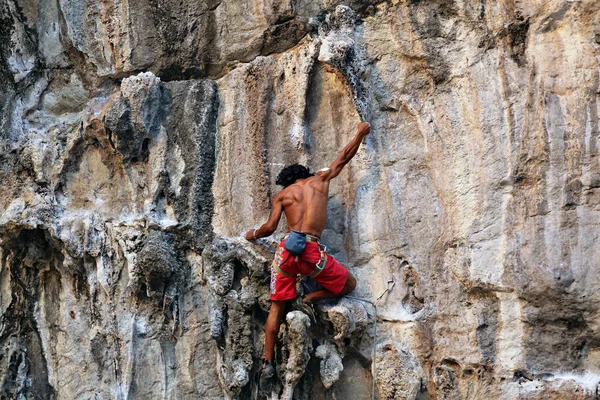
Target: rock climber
[304, 202]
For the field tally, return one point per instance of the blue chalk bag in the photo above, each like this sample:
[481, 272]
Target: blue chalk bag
[295, 242]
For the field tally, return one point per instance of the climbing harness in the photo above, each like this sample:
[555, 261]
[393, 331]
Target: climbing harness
[390, 285]
[319, 267]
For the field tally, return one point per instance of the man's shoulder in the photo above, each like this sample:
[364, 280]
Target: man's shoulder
[284, 192]
[320, 176]
[280, 194]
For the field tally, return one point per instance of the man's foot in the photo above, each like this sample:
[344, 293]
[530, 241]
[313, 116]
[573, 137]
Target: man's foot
[306, 308]
[267, 378]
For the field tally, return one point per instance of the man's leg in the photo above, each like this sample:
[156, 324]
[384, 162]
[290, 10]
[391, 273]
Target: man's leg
[326, 294]
[267, 374]
[272, 327]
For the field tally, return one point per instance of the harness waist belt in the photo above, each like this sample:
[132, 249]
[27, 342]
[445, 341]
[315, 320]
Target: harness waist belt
[309, 237]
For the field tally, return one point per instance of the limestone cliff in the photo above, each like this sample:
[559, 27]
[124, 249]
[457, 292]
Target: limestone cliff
[139, 139]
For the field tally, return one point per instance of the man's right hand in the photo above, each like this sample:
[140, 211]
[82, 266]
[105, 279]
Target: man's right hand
[364, 128]
[250, 235]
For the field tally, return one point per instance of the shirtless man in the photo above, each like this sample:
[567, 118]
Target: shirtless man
[304, 201]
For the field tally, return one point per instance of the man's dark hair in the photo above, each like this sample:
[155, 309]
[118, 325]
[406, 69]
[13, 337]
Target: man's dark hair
[291, 173]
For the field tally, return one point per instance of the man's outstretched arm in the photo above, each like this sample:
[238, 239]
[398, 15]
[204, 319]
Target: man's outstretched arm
[347, 152]
[270, 226]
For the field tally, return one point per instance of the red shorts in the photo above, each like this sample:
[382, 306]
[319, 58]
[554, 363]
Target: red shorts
[333, 277]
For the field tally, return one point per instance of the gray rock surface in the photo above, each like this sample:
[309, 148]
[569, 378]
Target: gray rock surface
[138, 139]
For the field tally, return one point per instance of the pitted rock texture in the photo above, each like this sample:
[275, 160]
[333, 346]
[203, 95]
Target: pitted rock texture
[138, 139]
[237, 273]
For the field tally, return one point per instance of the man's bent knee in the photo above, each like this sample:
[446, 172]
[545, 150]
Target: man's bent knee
[349, 286]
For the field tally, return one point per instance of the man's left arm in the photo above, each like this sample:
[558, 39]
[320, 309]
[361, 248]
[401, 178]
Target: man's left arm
[270, 226]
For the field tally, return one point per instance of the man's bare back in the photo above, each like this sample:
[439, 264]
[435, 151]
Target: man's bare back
[305, 204]
[305, 201]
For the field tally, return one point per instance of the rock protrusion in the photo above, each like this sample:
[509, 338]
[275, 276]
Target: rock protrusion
[299, 346]
[331, 365]
[399, 373]
[349, 319]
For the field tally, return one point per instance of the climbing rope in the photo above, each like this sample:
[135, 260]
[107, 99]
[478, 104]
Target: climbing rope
[390, 285]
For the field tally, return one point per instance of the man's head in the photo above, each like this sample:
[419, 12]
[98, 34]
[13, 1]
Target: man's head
[291, 174]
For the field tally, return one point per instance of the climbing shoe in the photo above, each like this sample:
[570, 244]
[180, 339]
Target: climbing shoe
[267, 378]
[306, 308]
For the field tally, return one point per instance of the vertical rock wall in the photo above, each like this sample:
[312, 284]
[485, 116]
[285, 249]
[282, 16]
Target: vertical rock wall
[138, 139]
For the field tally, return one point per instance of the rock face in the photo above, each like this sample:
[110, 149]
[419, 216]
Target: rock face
[138, 139]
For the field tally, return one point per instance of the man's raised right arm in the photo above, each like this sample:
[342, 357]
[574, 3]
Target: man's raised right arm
[347, 152]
